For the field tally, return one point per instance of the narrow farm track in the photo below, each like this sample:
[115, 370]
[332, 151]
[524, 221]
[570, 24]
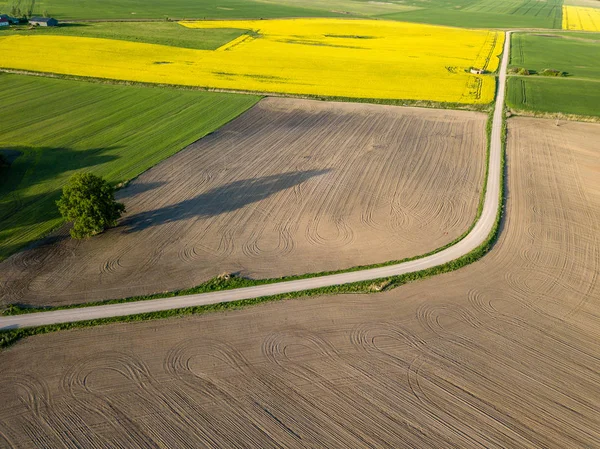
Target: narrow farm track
[476, 237]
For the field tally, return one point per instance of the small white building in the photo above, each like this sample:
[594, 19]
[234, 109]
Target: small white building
[43, 21]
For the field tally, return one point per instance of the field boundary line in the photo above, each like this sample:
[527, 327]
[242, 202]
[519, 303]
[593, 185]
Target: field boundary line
[466, 251]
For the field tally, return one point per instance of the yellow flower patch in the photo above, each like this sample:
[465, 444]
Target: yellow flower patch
[576, 18]
[324, 57]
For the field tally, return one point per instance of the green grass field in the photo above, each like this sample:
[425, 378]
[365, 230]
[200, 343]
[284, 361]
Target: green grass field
[550, 95]
[461, 13]
[138, 9]
[163, 33]
[485, 13]
[574, 53]
[57, 127]
[578, 56]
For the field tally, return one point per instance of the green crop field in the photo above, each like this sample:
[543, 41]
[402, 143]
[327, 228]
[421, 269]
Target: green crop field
[574, 53]
[465, 13]
[485, 13]
[53, 128]
[163, 33]
[550, 95]
[137, 9]
[578, 56]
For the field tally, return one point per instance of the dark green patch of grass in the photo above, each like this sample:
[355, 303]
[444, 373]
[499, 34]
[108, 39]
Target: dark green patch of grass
[162, 33]
[317, 43]
[60, 127]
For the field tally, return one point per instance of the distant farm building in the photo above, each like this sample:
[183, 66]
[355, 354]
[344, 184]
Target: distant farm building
[6, 20]
[475, 71]
[43, 21]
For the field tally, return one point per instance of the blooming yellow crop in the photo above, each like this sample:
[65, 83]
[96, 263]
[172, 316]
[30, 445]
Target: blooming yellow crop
[329, 57]
[583, 19]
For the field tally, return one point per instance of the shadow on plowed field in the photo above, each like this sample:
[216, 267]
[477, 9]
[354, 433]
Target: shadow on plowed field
[219, 200]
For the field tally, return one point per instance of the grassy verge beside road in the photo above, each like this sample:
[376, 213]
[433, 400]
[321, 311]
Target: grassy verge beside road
[56, 127]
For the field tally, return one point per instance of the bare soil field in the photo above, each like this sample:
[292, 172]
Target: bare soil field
[503, 353]
[290, 187]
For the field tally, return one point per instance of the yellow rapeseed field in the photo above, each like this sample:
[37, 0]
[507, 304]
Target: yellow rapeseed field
[576, 18]
[328, 57]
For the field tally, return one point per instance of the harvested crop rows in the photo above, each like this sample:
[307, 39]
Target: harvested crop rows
[502, 353]
[290, 187]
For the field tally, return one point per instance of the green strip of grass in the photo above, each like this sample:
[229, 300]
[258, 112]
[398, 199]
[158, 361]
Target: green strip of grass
[476, 19]
[55, 128]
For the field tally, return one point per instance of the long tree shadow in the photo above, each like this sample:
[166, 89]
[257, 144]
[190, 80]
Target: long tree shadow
[220, 199]
[33, 165]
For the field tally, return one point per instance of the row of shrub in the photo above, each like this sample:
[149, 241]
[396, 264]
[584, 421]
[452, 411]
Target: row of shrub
[525, 72]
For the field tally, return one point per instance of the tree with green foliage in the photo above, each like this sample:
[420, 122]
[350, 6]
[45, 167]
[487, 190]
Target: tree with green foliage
[89, 202]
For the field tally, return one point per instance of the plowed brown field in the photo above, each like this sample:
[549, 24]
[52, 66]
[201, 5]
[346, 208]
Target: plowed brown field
[503, 353]
[290, 187]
